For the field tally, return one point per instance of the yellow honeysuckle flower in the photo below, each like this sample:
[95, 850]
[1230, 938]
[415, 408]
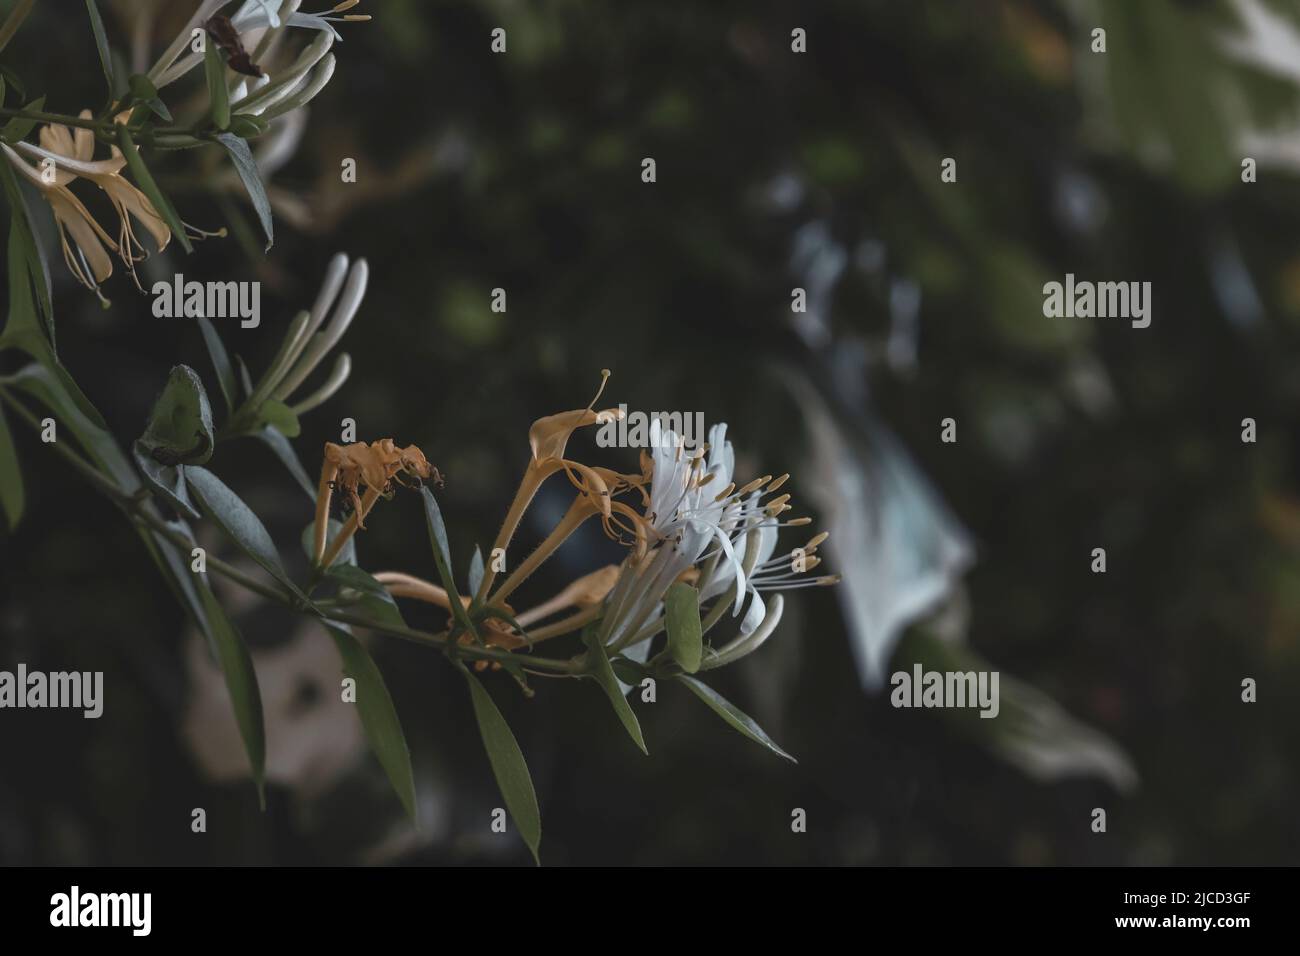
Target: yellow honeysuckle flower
[85, 243]
[73, 152]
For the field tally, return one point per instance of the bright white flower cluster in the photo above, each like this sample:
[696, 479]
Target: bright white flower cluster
[696, 518]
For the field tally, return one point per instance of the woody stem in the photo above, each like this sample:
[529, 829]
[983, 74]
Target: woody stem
[135, 506]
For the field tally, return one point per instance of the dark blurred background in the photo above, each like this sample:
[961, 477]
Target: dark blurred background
[775, 170]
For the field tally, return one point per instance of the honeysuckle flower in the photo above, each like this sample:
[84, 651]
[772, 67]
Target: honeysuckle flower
[342, 292]
[548, 441]
[73, 152]
[350, 468]
[587, 591]
[586, 594]
[260, 25]
[272, 91]
[255, 14]
[696, 526]
[64, 156]
[693, 506]
[85, 243]
[309, 339]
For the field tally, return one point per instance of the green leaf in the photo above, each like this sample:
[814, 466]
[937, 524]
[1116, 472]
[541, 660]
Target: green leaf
[15, 20]
[733, 715]
[214, 68]
[508, 764]
[26, 250]
[179, 433]
[308, 538]
[598, 667]
[476, 570]
[15, 81]
[276, 441]
[442, 558]
[242, 157]
[18, 127]
[375, 602]
[247, 127]
[378, 715]
[101, 43]
[682, 618]
[50, 388]
[180, 425]
[175, 567]
[279, 415]
[143, 91]
[245, 379]
[166, 480]
[11, 477]
[239, 523]
[241, 681]
[144, 179]
[628, 671]
[220, 361]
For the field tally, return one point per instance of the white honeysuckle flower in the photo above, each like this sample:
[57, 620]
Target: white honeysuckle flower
[342, 290]
[288, 81]
[697, 517]
[258, 14]
[252, 20]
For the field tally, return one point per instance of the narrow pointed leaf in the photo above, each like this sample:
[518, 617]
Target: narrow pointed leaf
[508, 765]
[239, 523]
[50, 387]
[733, 715]
[18, 127]
[214, 68]
[599, 668]
[143, 91]
[22, 233]
[144, 179]
[101, 43]
[276, 441]
[308, 539]
[175, 568]
[442, 558]
[241, 681]
[276, 413]
[476, 570]
[166, 480]
[220, 362]
[682, 618]
[375, 602]
[378, 715]
[11, 477]
[242, 157]
[15, 20]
